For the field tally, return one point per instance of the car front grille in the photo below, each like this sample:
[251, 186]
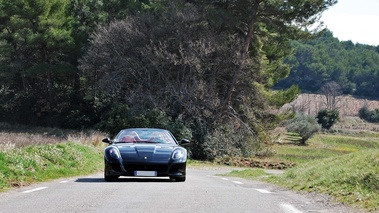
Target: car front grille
[146, 167]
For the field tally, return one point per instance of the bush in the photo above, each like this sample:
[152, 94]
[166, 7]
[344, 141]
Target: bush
[370, 116]
[327, 118]
[231, 138]
[303, 125]
[364, 113]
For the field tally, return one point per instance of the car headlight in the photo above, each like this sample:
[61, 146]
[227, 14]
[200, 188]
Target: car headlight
[179, 155]
[114, 153]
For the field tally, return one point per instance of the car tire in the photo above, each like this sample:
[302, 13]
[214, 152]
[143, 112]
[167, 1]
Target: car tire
[109, 178]
[179, 179]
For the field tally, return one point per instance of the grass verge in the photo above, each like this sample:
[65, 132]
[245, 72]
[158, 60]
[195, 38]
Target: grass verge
[343, 166]
[351, 178]
[26, 165]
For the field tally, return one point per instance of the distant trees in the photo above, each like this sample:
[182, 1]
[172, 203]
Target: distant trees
[40, 44]
[35, 37]
[355, 67]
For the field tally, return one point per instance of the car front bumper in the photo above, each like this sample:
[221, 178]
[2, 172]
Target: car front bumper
[129, 169]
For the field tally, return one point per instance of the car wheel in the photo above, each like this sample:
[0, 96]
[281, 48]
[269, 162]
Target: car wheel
[110, 178]
[179, 179]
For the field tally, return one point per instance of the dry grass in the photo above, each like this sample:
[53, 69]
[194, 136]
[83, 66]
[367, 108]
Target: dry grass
[20, 136]
[355, 125]
[16, 140]
[90, 137]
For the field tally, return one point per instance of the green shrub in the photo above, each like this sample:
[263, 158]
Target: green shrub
[364, 113]
[304, 125]
[327, 118]
[370, 116]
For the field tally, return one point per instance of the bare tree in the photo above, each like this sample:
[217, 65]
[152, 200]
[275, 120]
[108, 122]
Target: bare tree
[332, 92]
[176, 64]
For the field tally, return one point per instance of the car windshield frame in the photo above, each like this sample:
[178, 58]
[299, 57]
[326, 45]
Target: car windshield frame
[155, 136]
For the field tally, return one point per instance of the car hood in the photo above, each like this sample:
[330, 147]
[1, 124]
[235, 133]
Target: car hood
[146, 152]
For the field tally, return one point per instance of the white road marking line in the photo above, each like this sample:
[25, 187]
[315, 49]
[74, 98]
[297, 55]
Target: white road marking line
[33, 190]
[287, 208]
[237, 182]
[64, 181]
[263, 191]
[224, 179]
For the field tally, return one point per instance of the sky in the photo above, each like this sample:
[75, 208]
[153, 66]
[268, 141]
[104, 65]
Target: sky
[355, 20]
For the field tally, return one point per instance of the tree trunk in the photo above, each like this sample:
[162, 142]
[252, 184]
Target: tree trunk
[244, 55]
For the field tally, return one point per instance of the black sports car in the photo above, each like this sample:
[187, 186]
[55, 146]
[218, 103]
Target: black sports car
[145, 152]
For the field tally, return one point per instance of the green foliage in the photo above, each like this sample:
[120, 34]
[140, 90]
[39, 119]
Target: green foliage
[36, 30]
[369, 115]
[40, 44]
[87, 14]
[323, 59]
[116, 119]
[280, 97]
[180, 130]
[304, 125]
[364, 112]
[35, 41]
[327, 118]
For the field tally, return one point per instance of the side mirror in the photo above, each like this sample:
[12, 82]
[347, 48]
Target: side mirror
[106, 140]
[184, 142]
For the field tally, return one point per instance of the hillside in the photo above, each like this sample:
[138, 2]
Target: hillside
[354, 67]
[348, 107]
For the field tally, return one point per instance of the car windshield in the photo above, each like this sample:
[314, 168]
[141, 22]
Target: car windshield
[144, 136]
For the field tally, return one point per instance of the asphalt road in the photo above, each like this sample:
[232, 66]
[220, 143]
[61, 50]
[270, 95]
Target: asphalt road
[203, 191]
